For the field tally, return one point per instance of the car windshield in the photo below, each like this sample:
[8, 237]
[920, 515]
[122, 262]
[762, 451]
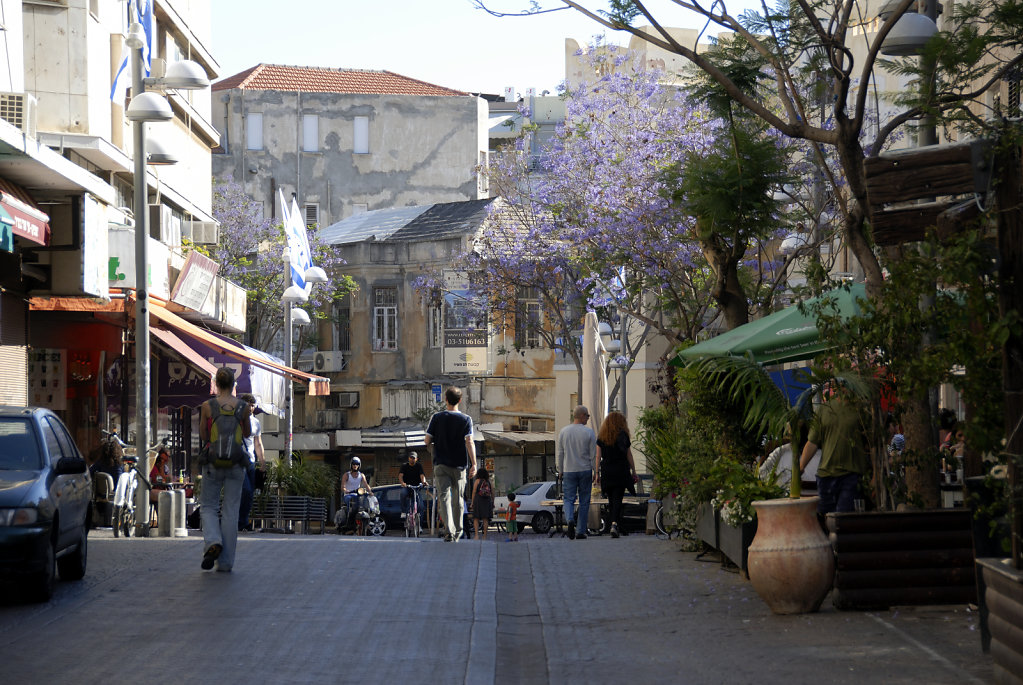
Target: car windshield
[19, 449]
[528, 489]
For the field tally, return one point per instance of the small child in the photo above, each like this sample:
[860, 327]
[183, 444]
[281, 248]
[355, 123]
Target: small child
[513, 525]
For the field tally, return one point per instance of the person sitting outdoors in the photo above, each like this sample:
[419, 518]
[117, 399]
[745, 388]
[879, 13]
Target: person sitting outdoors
[161, 475]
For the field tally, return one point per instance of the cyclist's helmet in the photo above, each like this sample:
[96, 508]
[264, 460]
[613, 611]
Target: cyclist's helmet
[356, 461]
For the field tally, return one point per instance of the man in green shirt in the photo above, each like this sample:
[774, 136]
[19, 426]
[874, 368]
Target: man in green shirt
[838, 432]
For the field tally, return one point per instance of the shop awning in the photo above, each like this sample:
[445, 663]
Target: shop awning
[21, 213]
[785, 336]
[519, 438]
[318, 385]
[188, 354]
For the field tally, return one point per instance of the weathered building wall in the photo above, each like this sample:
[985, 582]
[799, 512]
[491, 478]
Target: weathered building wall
[422, 149]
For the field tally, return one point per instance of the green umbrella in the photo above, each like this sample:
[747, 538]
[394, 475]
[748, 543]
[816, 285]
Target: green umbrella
[785, 336]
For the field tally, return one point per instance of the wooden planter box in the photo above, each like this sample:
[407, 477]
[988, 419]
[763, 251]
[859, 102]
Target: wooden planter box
[732, 541]
[890, 558]
[707, 521]
[1001, 617]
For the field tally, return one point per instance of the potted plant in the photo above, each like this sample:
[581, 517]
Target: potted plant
[297, 492]
[791, 564]
[699, 453]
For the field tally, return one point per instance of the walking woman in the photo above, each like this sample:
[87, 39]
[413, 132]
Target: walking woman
[617, 469]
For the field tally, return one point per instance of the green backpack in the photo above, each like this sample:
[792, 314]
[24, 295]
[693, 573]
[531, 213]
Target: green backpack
[226, 446]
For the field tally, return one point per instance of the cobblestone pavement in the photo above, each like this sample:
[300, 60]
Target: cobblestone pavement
[333, 609]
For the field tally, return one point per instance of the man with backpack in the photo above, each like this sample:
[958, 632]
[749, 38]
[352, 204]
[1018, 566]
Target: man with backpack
[223, 426]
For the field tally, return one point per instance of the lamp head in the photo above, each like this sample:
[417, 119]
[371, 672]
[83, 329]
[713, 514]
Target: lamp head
[149, 107]
[299, 317]
[294, 294]
[909, 35]
[315, 274]
[158, 154]
[184, 75]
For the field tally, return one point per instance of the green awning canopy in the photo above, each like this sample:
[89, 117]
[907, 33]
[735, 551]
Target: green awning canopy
[785, 336]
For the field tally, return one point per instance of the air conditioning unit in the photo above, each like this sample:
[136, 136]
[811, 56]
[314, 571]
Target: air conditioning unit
[330, 419]
[19, 110]
[164, 226]
[328, 362]
[270, 423]
[348, 400]
[536, 425]
[201, 232]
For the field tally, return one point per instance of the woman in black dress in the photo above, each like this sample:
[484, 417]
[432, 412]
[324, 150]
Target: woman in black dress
[617, 469]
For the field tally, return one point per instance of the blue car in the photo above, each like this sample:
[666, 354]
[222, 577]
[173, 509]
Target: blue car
[45, 490]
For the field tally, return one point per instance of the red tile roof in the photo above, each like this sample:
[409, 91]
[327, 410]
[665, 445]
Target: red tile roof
[325, 80]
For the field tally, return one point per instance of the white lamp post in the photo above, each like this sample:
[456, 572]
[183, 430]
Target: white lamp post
[292, 315]
[145, 107]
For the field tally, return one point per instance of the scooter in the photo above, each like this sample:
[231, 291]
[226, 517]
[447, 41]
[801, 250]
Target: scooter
[365, 519]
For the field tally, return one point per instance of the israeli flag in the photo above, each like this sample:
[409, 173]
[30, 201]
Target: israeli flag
[298, 242]
[139, 12]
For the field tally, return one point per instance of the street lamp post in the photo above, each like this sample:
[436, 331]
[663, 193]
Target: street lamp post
[145, 107]
[293, 294]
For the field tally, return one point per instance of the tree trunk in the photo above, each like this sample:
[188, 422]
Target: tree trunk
[1010, 301]
[921, 471]
[727, 291]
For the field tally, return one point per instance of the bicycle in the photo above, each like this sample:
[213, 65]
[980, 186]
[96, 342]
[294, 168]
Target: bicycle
[413, 524]
[667, 525]
[125, 518]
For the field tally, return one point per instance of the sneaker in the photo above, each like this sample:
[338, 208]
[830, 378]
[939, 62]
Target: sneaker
[614, 530]
[210, 556]
[449, 538]
[580, 536]
[571, 531]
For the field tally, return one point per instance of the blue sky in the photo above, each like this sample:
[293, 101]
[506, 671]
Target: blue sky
[445, 42]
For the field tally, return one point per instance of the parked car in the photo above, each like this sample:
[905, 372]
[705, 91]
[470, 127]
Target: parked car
[531, 512]
[45, 491]
[389, 497]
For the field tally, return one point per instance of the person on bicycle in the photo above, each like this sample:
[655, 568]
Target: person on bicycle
[350, 484]
[410, 474]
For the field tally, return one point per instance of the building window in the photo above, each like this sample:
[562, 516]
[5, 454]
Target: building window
[436, 326]
[312, 214]
[343, 325]
[528, 318]
[385, 319]
[310, 132]
[360, 137]
[254, 131]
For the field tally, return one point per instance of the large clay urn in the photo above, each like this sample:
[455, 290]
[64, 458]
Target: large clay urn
[791, 564]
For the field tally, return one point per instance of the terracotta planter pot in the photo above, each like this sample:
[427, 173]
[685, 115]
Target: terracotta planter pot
[791, 564]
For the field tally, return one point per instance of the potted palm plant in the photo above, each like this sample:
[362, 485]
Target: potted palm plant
[791, 565]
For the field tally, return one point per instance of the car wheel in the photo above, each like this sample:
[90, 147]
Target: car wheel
[542, 522]
[72, 566]
[377, 526]
[42, 586]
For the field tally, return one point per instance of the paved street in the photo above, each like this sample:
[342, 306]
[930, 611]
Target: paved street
[333, 609]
